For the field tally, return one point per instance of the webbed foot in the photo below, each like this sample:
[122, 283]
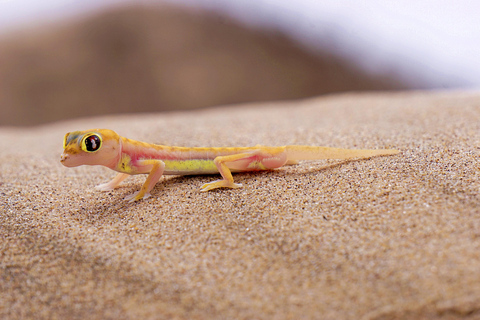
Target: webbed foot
[219, 184]
[104, 187]
[136, 196]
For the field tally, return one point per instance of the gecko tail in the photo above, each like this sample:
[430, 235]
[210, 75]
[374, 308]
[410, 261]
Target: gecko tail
[295, 153]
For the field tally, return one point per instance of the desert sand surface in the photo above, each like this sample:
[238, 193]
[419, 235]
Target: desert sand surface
[394, 237]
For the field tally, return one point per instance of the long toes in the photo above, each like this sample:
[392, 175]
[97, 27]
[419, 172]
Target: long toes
[206, 188]
[211, 185]
[103, 187]
[137, 196]
[219, 184]
[131, 197]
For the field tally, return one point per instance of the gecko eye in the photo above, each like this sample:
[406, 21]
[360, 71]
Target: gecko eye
[91, 143]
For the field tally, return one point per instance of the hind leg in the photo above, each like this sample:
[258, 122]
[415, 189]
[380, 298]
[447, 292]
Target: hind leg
[224, 165]
[250, 161]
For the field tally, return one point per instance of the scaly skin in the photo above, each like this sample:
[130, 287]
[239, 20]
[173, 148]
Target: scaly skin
[105, 147]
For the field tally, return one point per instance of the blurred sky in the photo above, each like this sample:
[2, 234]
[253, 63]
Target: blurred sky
[430, 43]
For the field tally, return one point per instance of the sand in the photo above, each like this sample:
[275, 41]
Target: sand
[384, 238]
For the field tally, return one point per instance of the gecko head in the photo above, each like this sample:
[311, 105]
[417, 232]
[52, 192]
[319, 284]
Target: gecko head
[91, 147]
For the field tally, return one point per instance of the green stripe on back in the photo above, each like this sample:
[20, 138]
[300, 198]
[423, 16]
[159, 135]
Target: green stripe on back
[190, 166]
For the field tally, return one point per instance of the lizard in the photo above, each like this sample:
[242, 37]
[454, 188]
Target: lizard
[128, 157]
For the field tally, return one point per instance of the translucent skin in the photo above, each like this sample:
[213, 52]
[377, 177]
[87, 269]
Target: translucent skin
[105, 147]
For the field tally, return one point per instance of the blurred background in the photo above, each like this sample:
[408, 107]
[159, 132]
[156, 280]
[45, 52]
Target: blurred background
[63, 59]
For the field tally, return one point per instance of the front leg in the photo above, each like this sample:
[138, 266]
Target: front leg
[114, 183]
[155, 169]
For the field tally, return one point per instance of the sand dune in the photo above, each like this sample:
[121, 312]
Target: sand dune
[151, 59]
[386, 238]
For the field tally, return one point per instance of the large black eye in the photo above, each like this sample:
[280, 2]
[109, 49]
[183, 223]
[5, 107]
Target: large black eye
[92, 143]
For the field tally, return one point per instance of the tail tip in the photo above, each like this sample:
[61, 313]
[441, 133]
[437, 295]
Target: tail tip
[391, 151]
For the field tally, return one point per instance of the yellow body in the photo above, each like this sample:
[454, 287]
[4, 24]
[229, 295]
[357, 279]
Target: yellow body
[105, 147]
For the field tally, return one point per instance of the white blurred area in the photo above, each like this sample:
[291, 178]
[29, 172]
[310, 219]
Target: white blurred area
[430, 43]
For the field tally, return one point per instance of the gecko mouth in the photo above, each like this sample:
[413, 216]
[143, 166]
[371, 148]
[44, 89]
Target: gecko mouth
[70, 161]
[63, 159]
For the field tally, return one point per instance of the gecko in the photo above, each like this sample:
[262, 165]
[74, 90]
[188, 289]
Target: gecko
[129, 157]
